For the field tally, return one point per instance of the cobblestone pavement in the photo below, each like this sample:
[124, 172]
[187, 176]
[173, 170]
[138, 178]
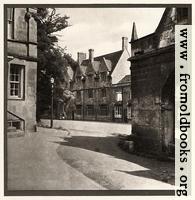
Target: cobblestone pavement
[80, 160]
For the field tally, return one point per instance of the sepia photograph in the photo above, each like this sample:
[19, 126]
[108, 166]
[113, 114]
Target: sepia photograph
[90, 98]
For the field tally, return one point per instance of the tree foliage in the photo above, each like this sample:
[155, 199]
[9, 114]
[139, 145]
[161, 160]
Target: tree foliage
[52, 59]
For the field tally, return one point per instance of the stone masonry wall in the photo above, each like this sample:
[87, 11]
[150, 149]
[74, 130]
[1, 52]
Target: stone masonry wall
[149, 74]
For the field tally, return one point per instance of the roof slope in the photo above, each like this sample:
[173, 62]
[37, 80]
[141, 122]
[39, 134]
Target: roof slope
[110, 59]
[125, 79]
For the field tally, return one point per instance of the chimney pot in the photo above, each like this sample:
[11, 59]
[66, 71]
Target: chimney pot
[80, 57]
[124, 43]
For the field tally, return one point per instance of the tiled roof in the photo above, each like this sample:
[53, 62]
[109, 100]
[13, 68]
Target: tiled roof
[110, 59]
[108, 64]
[125, 79]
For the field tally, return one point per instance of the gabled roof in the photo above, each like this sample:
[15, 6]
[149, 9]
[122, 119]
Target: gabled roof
[108, 64]
[96, 65]
[112, 57]
[78, 71]
[83, 69]
[110, 60]
[163, 18]
[89, 68]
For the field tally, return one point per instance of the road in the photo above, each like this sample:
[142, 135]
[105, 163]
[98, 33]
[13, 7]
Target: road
[79, 160]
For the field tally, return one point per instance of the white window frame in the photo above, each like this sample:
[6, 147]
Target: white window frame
[118, 111]
[119, 96]
[20, 81]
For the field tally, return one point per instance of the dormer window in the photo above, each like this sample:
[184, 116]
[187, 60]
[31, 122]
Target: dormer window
[83, 78]
[78, 78]
[90, 78]
[103, 76]
[78, 95]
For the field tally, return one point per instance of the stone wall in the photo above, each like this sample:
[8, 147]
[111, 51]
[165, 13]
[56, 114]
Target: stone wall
[25, 108]
[149, 74]
[109, 100]
[22, 50]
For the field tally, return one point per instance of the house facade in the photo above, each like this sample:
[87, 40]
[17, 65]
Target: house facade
[153, 84]
[21, 69]
[102, 86]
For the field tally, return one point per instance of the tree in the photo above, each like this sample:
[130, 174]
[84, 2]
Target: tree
[52, 59]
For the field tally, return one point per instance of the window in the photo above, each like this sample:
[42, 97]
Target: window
[10, 23]
[90, 93]
[90, 110]
[78, 94]
[79, 109]
[14, 124]
[103, 76]
[78, 78]
[103, 92]
[182, 14]
[90, 78]
[96, 82]
[119, 96]
[104, 110]
[118, 111]
[16, 81]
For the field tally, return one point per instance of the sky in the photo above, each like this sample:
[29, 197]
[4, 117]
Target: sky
[102, 29]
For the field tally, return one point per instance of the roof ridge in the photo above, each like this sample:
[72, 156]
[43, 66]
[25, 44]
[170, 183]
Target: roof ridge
[104, 55]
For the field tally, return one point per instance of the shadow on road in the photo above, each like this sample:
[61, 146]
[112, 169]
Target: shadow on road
[158, 170]
[150, 174]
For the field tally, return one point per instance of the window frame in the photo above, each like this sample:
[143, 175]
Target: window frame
[79, 109]
[119, 98]
[118, 111]
[92, 110]
[90, 78]
[90, 93]
[103, 92]
[78, 94]
[104, 109]
[182, 14]
[103, 76]
[21, 82]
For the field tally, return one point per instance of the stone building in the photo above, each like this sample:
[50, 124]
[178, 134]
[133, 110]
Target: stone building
[21, 69]
[102, 86]
[153, 84]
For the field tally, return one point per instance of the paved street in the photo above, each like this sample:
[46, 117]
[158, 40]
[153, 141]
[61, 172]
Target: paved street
[80, 160]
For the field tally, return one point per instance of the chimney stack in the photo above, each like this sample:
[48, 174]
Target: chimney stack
[91, 55]
[80, 57]
[124, 43]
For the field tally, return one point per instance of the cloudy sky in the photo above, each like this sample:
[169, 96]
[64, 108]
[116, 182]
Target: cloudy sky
[102, 28]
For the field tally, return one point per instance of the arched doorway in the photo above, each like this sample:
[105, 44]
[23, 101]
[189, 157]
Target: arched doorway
[168, 114]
